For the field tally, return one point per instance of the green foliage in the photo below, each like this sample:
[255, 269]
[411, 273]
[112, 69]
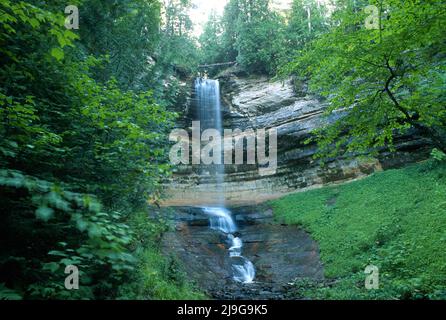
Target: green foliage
[306, 22]
[259, 38]
[378, 82]
[83, 141]
[178, 49]
[211, 41]
[249, 33]
[127, 136]
[394, 220]
[438, 155]
[144, 53]
[156, 276]
[128, 32]
[8, 294]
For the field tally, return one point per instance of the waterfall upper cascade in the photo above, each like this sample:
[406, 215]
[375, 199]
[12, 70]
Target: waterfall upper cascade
[209, 113]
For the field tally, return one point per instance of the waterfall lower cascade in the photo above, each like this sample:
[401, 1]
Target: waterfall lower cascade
[208, 110]
[221, 220]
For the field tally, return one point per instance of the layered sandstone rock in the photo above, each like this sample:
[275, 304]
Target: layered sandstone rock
[260, 103]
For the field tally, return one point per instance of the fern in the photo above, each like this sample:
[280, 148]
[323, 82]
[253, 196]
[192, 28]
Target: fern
[8, 294]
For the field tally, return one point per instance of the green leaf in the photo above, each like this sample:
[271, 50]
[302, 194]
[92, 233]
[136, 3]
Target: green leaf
[81, 225]
[57, 253]
[44, 213]
[34, 22]
[57, 53]
[8, 294]
[52, 266]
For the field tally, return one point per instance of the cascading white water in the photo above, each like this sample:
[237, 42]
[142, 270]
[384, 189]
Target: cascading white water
[236, 246]
[244, 272]
[221, 220]
[209, 114]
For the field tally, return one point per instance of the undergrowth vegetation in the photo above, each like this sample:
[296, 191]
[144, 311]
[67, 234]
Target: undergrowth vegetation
[84, 121]
[157, 275]
[395, 220]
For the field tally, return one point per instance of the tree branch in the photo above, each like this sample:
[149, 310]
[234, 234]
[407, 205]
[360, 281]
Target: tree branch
[432, 134]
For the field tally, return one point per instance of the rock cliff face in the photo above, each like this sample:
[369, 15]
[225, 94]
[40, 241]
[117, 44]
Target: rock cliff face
[260, 103]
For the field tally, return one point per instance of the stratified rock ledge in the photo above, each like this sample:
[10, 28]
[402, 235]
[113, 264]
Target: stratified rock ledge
[259, 103]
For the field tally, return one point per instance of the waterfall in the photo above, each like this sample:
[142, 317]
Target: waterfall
[209, 113]
[220, 218]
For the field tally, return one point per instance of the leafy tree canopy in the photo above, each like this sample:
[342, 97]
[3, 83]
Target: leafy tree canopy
[378, 81]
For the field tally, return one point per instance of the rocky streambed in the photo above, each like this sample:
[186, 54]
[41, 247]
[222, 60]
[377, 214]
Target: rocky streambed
[280, 253]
